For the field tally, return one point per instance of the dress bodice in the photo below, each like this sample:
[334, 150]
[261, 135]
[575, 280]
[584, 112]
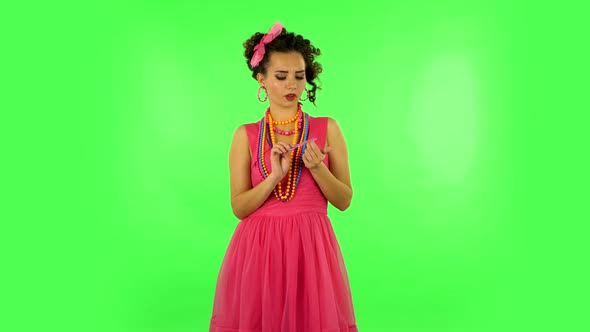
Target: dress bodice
[308, 196]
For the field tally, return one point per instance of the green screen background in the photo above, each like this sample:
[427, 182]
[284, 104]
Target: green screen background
[466, 126]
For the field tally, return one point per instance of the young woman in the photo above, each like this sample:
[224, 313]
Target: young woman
[283, 269]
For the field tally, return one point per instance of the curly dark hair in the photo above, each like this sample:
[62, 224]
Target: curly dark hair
[287, 42]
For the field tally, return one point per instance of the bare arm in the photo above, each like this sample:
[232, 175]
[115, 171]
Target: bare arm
[335, 182]
[244, 198]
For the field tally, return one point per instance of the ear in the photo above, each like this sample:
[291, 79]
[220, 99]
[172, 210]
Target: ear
[260, 79]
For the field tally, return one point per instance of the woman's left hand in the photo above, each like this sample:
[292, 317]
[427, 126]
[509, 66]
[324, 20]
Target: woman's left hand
[314, 156]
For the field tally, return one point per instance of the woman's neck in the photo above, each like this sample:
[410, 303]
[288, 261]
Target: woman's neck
[279, 113]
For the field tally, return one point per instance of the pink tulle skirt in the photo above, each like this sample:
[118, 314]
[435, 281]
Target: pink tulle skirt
[283, 274]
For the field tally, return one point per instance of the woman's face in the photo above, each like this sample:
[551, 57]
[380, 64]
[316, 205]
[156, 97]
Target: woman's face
[285, 78]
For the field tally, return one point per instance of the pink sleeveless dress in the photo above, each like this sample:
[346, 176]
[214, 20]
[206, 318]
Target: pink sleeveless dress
[283, 270]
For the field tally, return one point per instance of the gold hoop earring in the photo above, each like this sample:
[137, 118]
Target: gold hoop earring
[265, 92]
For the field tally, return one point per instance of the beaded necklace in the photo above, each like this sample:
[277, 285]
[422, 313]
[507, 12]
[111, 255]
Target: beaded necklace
[298, 126]
[299, 135]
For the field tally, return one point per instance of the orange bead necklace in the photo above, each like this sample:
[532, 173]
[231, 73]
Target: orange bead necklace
[300, 135]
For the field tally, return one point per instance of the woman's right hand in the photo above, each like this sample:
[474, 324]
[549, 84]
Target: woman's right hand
[280, 159]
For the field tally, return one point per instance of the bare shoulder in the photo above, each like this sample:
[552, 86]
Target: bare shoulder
[240, 141]
[239, 161]
[339, 155]
[332, 122]
[334, 132]
[240, 132]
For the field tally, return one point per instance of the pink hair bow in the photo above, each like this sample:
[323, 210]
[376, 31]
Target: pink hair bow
[259, 49]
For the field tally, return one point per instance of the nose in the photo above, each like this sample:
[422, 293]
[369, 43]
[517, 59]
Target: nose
[292, 84]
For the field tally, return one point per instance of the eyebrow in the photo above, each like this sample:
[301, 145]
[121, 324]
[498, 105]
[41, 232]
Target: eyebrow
[284, 71]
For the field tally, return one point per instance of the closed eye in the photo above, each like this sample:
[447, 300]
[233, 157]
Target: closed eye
[283, 78]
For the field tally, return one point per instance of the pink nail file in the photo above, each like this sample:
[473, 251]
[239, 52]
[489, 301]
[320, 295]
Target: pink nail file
[302, 143]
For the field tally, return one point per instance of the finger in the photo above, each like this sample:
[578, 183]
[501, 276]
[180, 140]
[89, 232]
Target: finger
[312, 158]
[278, 148]
[305, 155]
[306, 163]
[313, 153]
[306, 160]
[289, 146]
[311, 162]
[284, 146]
[317, 150]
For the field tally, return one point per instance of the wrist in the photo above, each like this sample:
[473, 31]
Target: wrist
[274, 178]
[317, 169]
